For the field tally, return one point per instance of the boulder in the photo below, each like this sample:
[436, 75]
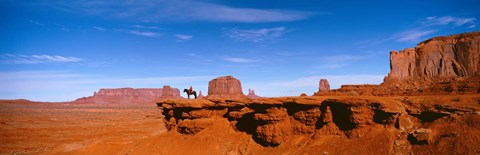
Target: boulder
[420, 137]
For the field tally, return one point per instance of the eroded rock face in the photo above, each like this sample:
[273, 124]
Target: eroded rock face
[324, 86]
[130, 95]
[450, 56]
[273, 121]
[441, 65]
[225, 87]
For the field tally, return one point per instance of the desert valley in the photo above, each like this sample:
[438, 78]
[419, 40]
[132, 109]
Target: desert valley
[429, 103]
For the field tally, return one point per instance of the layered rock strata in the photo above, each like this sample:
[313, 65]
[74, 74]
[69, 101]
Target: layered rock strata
[438, 66]
[402, 123]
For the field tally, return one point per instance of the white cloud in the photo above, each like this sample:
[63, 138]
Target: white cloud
[36, 59]
[99, 28]
[423, 29]
[413, 35]
[145, 27]
[287, 53]
[36, 23]
[458, 21]
[144, 33]
[257, 35]
[161, 10]
[240, 60]
[183, 37]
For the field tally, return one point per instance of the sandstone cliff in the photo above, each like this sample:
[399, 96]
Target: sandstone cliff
[400, 125]
[130, 95]
[438, 66]
[439, 57]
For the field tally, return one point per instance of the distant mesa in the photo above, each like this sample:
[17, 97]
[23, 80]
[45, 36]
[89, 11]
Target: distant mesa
[225, 87]
[251, 94]
[130, 95]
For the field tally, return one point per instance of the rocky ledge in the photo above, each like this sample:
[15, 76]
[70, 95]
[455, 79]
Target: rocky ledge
[402, 123]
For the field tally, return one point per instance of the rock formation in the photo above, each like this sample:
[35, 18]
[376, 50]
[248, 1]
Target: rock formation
[251, 94]
[200, 95]
[324, 86]
[418, 125]
[130, 95]
[225, 87]
[441, 65]
[439, 57]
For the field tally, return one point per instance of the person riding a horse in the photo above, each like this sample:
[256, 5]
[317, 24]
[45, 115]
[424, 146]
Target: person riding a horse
[190, 92]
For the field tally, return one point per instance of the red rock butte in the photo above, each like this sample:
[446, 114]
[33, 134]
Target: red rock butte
[225, 87]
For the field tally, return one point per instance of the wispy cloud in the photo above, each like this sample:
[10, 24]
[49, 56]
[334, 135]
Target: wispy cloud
[412, 35]
[445, 20]
[263, 35]
[36, 23]
[431, 25]
[145, 27]
[287, 53]
[183, 37]
[99, 28]
[36, 59]
[161, 10]
[240, 60]
[424, 29]
[144, 33]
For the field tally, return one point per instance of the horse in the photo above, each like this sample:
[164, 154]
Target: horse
[190, 93]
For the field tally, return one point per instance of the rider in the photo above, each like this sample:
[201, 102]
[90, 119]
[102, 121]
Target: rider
[191, 89]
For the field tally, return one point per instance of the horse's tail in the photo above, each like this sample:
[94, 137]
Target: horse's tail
[195, 94]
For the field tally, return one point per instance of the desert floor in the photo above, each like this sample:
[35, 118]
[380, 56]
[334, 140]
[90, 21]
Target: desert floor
[76, 129]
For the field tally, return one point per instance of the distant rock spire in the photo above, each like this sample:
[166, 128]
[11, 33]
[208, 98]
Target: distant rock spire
[324, 86]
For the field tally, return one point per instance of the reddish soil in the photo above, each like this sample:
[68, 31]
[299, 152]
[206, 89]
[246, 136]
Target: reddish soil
[56, 128]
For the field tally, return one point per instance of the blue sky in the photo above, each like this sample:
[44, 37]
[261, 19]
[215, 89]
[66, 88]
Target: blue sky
[63, 50]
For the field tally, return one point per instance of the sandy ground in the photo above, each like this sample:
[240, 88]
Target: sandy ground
[70, 129]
